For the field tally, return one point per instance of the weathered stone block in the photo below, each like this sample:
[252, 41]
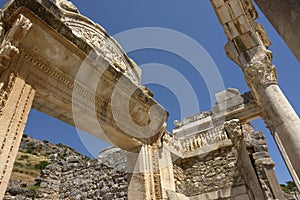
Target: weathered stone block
[217, 3]
[247, 41]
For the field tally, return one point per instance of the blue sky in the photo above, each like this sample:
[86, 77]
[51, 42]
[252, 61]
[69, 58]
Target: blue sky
[197, 20]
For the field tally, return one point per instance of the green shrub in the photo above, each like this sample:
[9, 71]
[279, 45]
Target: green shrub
[23, 157]
[18, 164]
[41, 165]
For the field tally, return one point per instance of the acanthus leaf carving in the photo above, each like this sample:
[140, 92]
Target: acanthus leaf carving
[260, 74]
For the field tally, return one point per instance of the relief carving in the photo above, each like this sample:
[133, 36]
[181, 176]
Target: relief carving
[7, 49]
[96, 36]
[234, 130]
[5, 91]
[7, 53]
[66, 5]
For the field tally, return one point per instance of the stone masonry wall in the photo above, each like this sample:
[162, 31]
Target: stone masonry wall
[218, 170]
[96, 181]
[75, 179]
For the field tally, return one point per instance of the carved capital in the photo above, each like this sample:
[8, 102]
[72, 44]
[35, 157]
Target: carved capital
[260, 74]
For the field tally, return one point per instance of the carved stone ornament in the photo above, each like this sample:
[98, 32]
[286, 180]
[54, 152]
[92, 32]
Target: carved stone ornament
[7, 53]
[233, 129]
[96, 36]
[7, 50]
[261, 74]
[66, 5]
[2, 30]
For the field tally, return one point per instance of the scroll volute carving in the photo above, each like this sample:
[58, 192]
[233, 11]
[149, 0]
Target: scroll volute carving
[8, 49]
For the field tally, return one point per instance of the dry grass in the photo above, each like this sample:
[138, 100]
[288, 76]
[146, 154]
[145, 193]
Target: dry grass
[24, 169]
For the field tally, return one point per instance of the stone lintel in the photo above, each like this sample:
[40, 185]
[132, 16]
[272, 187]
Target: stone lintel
[75, 77]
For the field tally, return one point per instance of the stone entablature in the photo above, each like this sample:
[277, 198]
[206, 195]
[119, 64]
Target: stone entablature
[57, 57]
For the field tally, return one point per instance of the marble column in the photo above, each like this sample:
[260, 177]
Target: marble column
[248, 46]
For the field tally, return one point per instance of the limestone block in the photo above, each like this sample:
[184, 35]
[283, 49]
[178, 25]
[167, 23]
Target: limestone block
[247, 41]
[223, 14]
[256, 53]
[217, 3]
[232, 52]
[228, 99]
[235, 8]
[242, 197]
[237, 27]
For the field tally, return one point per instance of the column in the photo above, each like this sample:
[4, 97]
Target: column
[16, 98]
[248, 46]
[143, 169]
[15, 102]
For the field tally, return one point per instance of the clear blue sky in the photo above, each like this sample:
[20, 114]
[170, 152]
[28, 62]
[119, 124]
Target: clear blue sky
[197, 20]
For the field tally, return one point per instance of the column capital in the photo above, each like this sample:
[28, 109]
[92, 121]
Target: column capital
[260, 74]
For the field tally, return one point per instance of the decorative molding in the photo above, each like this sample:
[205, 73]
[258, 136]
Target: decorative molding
[66, 5]
[7, 53]
[7, 49]
[58, 75]
[96, 36]
[6, 88]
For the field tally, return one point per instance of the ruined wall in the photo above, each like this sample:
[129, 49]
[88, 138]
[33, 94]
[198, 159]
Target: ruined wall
[216, 171]
[77, 180]
[73, 176]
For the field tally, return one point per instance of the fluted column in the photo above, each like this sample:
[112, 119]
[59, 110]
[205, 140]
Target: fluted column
[248, 47]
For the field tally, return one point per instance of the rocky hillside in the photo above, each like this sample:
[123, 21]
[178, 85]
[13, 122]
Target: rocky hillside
[34, 156]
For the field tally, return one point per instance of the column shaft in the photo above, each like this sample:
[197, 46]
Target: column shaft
[16, 100]
[145, 180]
[248, 47]
[282, 119]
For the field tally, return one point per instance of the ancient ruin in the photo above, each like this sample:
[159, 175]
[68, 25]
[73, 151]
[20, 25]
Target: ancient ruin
[61, 63]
